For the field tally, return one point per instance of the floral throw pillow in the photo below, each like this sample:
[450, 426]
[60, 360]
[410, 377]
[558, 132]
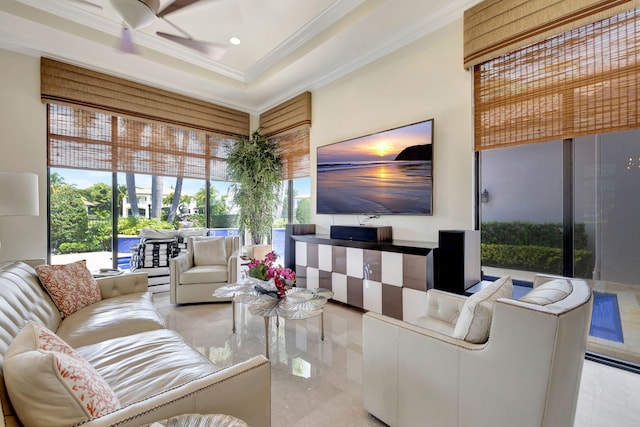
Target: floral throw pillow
[50, 384]
[46, 340]
[71, 286]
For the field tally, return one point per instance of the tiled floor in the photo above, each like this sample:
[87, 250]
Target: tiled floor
[318, 383]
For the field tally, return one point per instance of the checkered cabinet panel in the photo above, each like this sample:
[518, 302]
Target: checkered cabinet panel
[390, 283]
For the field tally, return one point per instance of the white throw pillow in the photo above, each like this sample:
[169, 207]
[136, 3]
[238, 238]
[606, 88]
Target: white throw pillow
[210, 251]
[50, 384]
[549, 292]
[474, 322]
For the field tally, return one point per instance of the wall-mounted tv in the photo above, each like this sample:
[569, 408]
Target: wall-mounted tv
[385, 173]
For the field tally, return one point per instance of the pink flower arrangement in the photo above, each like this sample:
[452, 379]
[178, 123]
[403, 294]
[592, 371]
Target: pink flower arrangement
[266, 269]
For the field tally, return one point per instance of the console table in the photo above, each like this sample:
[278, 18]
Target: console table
[385, 277]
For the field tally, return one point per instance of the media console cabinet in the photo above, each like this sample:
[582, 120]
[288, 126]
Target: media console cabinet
[388, 277]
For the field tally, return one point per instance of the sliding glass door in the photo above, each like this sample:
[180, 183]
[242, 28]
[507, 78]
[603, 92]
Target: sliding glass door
[525, 193]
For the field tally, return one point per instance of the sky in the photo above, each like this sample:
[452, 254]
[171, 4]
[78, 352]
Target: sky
[384, 145]
[85, 179]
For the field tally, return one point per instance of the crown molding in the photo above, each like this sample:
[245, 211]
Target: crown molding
[324, 20]
[453, 11]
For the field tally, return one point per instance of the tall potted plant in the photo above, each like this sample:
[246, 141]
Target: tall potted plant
[255, 167]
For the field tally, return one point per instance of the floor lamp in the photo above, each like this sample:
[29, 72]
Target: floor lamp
[19, 194]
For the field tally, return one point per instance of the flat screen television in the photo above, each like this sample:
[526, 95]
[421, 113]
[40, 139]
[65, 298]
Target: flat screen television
[385, 173]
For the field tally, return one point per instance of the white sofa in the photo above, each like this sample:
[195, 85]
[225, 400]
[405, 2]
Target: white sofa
[526, 374]
[151, 370]
[196, 274]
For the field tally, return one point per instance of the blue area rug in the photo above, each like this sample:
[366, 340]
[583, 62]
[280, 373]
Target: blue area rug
[605, 318]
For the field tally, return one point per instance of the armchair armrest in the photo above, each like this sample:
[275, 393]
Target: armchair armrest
[177, 266]
[232, 267]
[124, 284]
[180, 264]
[242, 390]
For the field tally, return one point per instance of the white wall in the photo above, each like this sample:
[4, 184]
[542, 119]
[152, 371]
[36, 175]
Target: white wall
[23, 133]
[423, 80]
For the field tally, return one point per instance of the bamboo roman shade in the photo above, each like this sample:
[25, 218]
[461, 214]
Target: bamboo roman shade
[63, 83]
[582, 82]
[496, 27]
[288, 124]
[96, 141]
[101, 122]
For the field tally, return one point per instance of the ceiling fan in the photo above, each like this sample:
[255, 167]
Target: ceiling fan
[141, 13]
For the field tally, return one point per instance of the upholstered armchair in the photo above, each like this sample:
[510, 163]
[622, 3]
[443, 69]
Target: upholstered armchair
[209, 263]
[485, 360]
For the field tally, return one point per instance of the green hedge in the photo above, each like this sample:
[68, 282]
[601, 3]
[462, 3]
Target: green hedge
[534, 258]
[533, 247]
[530, 234]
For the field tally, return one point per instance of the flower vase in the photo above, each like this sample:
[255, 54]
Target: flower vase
[265, 287]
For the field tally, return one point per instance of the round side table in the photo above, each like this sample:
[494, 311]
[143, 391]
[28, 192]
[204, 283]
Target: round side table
[198, 420]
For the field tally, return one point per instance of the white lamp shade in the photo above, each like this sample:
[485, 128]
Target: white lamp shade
[19, 194]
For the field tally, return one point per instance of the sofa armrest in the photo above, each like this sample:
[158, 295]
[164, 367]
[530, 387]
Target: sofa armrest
[242, 390]
[129, 283]
[444, 306]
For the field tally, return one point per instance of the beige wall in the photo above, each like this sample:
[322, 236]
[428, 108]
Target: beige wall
[424, 80]
[23, 149]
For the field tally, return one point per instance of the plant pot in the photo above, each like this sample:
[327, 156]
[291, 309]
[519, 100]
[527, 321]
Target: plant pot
[258, 251]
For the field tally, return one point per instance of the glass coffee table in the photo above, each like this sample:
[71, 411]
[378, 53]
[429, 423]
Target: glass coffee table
[299, 303]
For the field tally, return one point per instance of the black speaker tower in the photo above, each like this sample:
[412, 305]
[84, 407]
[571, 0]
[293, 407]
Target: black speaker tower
[458, 260]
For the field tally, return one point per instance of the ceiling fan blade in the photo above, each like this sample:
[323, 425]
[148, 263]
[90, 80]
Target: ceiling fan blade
[126, 42]
[211, 49]
[175, 6]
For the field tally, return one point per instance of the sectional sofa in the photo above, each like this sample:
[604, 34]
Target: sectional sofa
[112, 362]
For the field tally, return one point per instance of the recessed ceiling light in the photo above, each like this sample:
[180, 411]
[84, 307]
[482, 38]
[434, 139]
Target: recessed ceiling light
[235, 41]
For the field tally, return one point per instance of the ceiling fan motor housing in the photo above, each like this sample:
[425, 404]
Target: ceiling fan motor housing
[136, 13]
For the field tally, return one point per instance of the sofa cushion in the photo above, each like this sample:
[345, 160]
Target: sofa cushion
[112, 317]
[205, 274]
[71, 286]
[549, 292]
[209, 251]
[138, 366]
[474, 322]
[50, 384]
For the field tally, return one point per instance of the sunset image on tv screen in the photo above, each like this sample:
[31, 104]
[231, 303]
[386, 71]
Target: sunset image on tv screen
[388, 172]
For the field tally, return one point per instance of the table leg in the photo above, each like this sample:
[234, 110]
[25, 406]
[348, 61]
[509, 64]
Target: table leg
[266, 334]
[322, 325]
[233, 311]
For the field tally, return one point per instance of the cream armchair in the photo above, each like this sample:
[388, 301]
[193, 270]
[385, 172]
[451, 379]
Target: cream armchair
[527, 373]
[209, 263]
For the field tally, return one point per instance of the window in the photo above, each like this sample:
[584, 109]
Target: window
[524, 231]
